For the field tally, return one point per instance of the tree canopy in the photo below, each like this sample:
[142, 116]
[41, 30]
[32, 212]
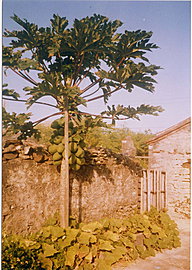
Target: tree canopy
[91, 51]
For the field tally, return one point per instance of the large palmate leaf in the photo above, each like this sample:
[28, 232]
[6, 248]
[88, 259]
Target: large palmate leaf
[70, 255]
[83, 251]
[91, 227]
[105, 245]
[121, 112]
[102, 264]
[48, 250]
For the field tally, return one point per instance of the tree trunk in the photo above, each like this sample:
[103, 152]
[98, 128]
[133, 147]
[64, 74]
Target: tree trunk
[64, 178]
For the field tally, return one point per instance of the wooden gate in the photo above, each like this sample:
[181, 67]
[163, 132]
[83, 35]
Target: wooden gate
[153, 190]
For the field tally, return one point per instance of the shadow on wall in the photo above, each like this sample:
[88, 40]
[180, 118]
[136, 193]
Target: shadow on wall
[87, 173]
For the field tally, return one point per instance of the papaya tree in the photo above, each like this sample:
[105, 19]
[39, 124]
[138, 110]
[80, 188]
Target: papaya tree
[76, 65]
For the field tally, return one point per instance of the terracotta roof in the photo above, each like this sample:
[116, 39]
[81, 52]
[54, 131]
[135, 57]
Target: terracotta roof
[172, 129]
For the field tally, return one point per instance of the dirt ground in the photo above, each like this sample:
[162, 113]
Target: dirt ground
[175, 259]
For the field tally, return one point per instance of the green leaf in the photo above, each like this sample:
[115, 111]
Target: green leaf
[46, 262]
[94, 250]
[89, 257]
[109, 235]
[9, 92]
[127, 242]
[147, 232]
[92, 227]
[155, 229]
[83, 251]
[48, 250]
[140, 249]
[71, 235]
[93, 239]
[105, 245]
[84, 238]
[32, 244]
[70, 255]
[133, 254]
[46, 232]
[110, 259]
[148, 242]
[101, 265]
[115, 256]
[105, 223]
[88, 267]
[56, 232]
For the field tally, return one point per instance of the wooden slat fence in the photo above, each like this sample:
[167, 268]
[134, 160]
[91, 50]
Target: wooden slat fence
[153, 190]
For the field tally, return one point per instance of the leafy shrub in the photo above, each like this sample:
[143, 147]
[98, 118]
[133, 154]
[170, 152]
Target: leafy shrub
[99, 245]
[16, 256]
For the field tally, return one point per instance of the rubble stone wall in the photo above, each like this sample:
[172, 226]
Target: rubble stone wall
[173, 154]
[30, 191]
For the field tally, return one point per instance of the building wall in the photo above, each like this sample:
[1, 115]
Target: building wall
[172, 154]
[31, 193]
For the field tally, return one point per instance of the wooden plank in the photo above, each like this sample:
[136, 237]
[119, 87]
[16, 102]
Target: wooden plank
[148, 190]
[160, 197]
[144, 190]
[141, 194]
[157, 173]
[162, 190]
[165, 187]
[154, 190]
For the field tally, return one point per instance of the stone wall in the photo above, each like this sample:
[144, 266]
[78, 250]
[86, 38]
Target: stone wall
[30, 191]
[172, 154]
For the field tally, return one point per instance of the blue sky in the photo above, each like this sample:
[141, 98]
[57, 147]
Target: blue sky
[170, 23]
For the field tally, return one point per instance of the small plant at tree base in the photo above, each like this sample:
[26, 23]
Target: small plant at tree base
[101, 244]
